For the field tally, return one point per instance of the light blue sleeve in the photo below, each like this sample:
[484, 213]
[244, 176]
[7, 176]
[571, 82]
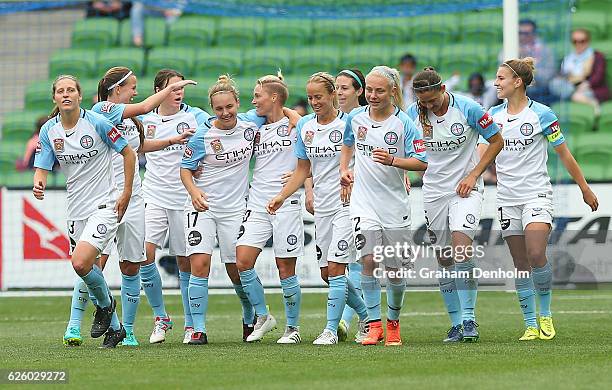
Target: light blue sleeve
[251, 116]
[481, 140]
[300, 148]
[200, 115]
[111, 111]
[477, 118]
[413, 112]
[550, 126]
[413, 141]
[349, 137]
[107, 131]
[194, 150]
[44, 158]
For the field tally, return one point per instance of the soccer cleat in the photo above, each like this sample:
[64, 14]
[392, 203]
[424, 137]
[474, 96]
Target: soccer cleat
[393, 333]
[247, 329]
[102, 319]
[531, 333]
[162, 325]
[291, 336]
[188, 333]
[263, 325]
[198, 338]
[362, 331]
[470, 333]
[113, 337]
[454, 334]
[375, 333]
[72, 337]
[342, 331]
[547, 329]
[129, 340]
[327, 337]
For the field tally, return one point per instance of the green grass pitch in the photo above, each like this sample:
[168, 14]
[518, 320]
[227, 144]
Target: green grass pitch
[580, 356]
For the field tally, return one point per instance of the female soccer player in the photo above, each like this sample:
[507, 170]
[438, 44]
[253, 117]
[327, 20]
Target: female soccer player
[453, 189]
[115, 91]
[318, 147]
[165, 198]
[82, 141]
[524, 192]
[387, 143]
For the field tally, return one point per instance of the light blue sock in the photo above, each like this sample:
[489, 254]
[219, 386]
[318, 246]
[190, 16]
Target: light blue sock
[354, 278]
[184, 285]
[336, 299]
[395, 299]
[80, 296]
[254, 290]
[130, 298]
[467, 289]
[198, 299]
[371, 296]
[448, 289]
[97, 286]
[292, 295]
[152, 286]
[526, 296]
[354, 301]
[248, 312]
[542, 281]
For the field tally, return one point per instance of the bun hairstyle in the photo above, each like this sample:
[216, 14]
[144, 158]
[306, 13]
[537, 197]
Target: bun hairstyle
[57, 79]
[275, 84]
[426, 80]
[328, 83]
[392, 75]
[224, 84]
[358, 81]
[523, 68]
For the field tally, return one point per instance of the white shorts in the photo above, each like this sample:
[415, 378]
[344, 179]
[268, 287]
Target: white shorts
[514, 219]
[98, 230]
[371, 238]
[160, 221]
[286, 227]
[202, 229]
[334, 238]
[130, 236]
[452, 214]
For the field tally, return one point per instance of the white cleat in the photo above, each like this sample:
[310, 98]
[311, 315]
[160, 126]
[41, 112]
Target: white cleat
[327, 337]
[291, 336]
[263, 325]
[188, 334]
[162, 325]
[362, 333]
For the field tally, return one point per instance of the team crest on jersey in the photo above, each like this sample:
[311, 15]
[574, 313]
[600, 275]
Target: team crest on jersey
[362, 132]
[428, 132]
[101, 228]
[390, 138]
[86, 141]
[151, 131]
[457, 129]
[181, 127]
[58, 145]
[282, 131]
[216, 145]
[342, 245]
[249, 134]
[107, 107]
[335, 136]
[292, 239]
[526, 129]
[308, 137]
[188, 152]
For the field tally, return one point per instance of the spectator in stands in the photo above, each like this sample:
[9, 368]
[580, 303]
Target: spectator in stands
[483, 93]
[407, 66]
[27, 162]
[583, 73]
[139, 11]
[301, 107]
[109, 8]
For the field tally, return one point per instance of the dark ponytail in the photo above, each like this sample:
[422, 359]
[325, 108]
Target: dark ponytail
[426, 80]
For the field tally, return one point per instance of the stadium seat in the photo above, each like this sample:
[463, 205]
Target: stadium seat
[435, 30]
[154, 32]
[89, 89]
[132, 58]
[289, 33]
[574, 117]
[311, 59]
[214, 61]
[266, 60]
[297, 87]
[178, 58]
[426, 55]
[197, 95]
[605, 119]
[95, 33]
[336, 32]
[595, 164]
[18, 126]
[240, 32]
[245, 85]
[385, 31]
[464, 58]
[364, 57]
[593, 21]
[481, 27]
[77, 62]
[191, 31]
[38, 96]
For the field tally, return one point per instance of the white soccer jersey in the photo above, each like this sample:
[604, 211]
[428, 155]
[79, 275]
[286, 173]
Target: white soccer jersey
[321, 144]
[521, 165]
[84, 154]
[225, 156]
[378, 191]
[451, 144]
[274, 156]
[162, 184]
[129, 131]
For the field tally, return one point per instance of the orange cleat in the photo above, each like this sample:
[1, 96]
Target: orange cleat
[393, 333]
[375, 333]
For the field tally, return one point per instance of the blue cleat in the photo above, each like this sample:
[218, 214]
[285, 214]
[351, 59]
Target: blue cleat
[470, 333]
[454, 334]
[129, 340]
[72, 337]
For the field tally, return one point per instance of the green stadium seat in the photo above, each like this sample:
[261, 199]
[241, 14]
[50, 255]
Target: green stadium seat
[336, 32]
[38, 96]
[464, 58]
[605, 119]
[13, 179]
[595, 164]
[364, 57]
[385, 31]
[214, 61]
[426, 55]
[311, 59]
[191, 31]
[297, 87]
[245, 85]
[593, 21]
[435, 30]
[240, 32]
[77, 62]
[289, 33]
[481, 27]
[154, 32]
[574, 117]
[603, 46]
[95, 33]
[266, 60]
[197, 95]
[18, 126]
[178, 58]
[132, 58]
[89, 90]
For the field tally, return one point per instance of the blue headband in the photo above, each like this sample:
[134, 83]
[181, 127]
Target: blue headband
[353, 75]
